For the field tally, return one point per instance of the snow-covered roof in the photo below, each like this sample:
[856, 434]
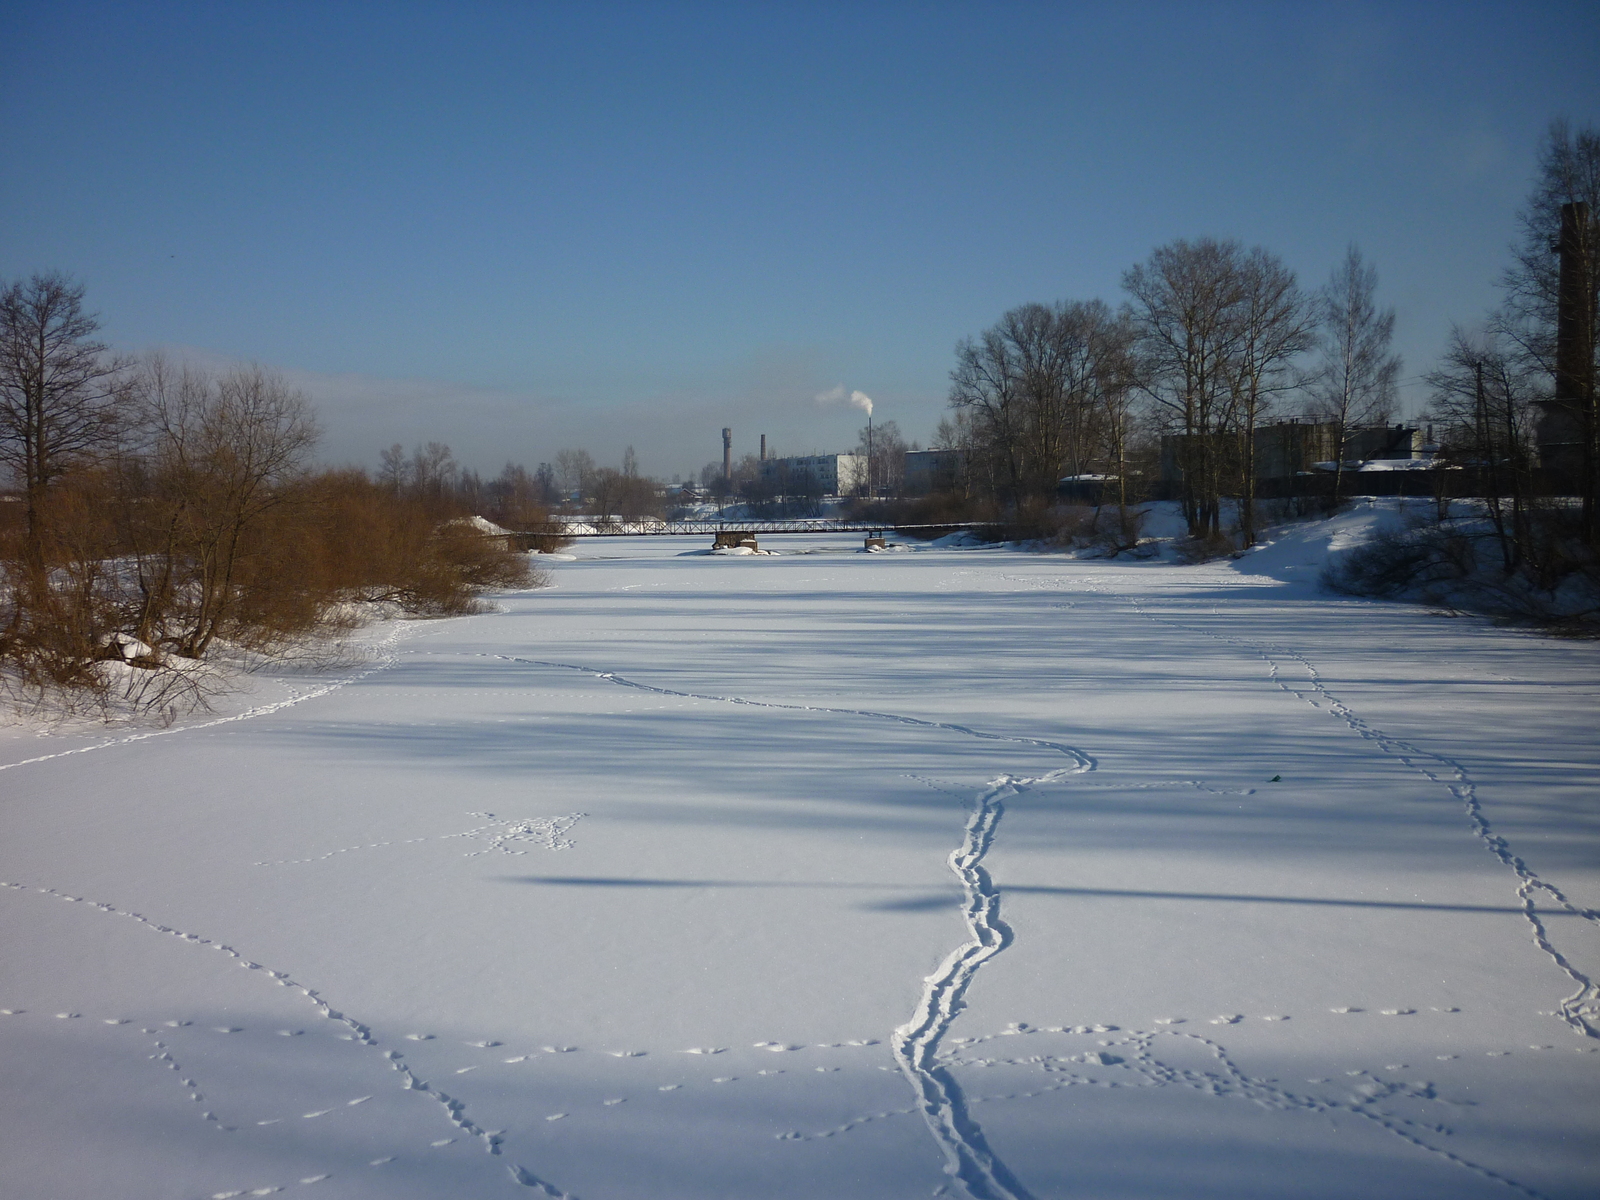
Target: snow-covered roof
[482, 525]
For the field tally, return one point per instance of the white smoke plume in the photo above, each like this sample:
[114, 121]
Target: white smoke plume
[836, 395]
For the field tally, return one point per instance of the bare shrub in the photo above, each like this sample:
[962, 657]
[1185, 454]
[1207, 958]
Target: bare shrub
[1203, 549]
[201, 534]
[365, 543]
[1456, 565]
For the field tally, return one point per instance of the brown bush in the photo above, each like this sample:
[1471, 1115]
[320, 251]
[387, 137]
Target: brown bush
[141, 576]
[370, 544]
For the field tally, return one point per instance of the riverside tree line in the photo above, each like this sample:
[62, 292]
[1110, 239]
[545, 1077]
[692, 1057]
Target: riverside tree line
[1214, 337]
[163, 515]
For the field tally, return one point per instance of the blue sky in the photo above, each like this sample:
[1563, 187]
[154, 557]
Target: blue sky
[521, 227]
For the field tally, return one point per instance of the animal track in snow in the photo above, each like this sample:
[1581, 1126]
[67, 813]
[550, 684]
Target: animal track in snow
[455, 1109]
[270, 1190]
[1140, 1066]
[549, 833]
[1083, 761]
[1581, 1010]
[1134, 1062]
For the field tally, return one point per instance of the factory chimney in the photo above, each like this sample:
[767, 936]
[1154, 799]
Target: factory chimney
[1570, 438]
[1574, 321]
[727, 454]
[763, 447]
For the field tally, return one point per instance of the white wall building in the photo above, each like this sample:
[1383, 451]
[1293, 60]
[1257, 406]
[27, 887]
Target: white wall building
[815, 474]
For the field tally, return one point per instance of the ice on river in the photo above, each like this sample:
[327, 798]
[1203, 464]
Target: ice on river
[955, 871]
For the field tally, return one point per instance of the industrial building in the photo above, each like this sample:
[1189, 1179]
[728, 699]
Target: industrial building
[1291, 448]
[814, 475]
[930, 471]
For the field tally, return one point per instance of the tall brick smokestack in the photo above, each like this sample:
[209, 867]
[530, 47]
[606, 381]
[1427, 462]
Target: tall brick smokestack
[1575, 375]
[763, 447]
[727, 453]
[1574, 321]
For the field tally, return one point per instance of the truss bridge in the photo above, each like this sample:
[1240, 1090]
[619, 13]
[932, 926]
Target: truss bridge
[726, 532]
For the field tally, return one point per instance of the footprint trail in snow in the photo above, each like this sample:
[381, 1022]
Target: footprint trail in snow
[972, 1166]
[1581, 1010]
[969, 1161]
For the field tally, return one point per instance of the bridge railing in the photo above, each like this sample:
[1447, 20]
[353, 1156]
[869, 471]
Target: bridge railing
[656, 527]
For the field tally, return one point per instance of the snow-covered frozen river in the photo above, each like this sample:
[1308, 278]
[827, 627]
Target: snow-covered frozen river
[828, 874]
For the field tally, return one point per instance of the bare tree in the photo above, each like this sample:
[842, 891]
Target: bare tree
[1034, 390]
[617, 494]
[394, 472]
[222, 455]
[606, 486]
[58, 391]
[1186, 300]
[545, 480]
[1277, 324]
[1035, 337]
[1481, 405]
[953, 432]
[1356, 385]
[433, 472]
[1112, 383]
[517, 498]
[987, 387]
[573, 469]
[888, 451]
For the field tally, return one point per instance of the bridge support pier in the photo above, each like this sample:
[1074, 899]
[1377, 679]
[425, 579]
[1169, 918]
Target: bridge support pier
[732, 539]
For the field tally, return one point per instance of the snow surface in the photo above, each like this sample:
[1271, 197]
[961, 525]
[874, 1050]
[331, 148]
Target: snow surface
[827, 874]
[1381, 464]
